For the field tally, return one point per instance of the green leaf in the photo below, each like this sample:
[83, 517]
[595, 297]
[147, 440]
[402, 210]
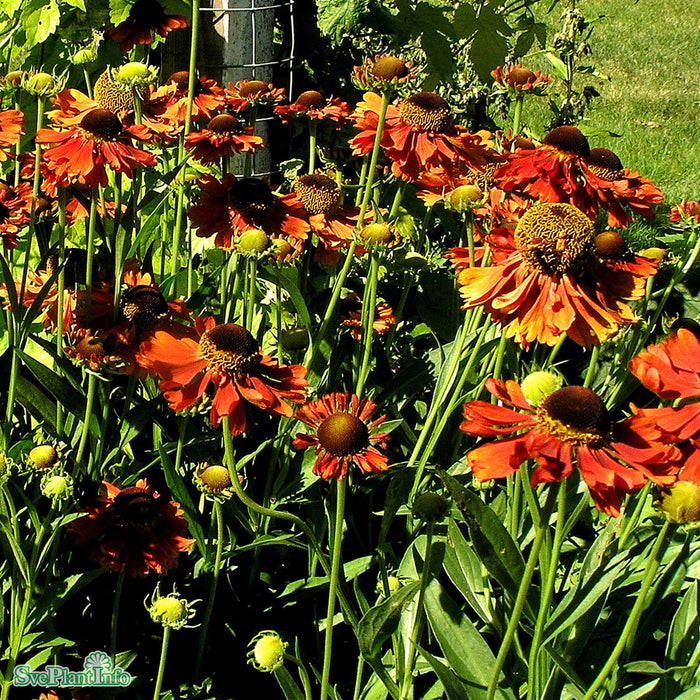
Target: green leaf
[337, 18]
[468, 655]
[39, 21]
[558, 66]
[454, 689]
[290, 689]
[80, 4]
[644, 690]
[684, 633]
[487, 51]
[37, 403]
[14, 548]
[491, 541]
[380, 622]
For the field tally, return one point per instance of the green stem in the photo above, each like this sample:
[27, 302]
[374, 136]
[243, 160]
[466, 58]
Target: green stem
[313, 128]
[60, 283]
[626, 639]
[90, 256]
[368, 311]
[252, 288]
[303, 675]
[417, 622]
[161, 665]
[332, 589]
[115, 616]
[92, 387]
[517, 112]
[519, 605]
[631, 522]
[592, 366]
[219, 517]
[88, 85]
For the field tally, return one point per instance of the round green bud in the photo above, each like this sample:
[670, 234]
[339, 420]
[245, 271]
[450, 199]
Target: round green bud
[394, 584]
[539, 384]
[15, 78]
[57, 487]
[415, 261]
[40, 84]
[681, 502]
[253, 241]
[43, 457]
[84, 56]
[431, 507]
[377, 234]
[294, 339]
[268, 652]
[169, 611]
[215, 478]
[465, 198]
[132, 71]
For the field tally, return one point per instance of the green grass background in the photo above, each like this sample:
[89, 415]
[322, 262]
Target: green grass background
[650, 50]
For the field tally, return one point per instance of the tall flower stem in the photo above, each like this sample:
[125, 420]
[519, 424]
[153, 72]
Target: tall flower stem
[333, 587]
[115, 616]
[89, 403]
[250, 297]
[368, 311]
[161, 665]
[517, 112]
[417, 621]
[219, 518]
[89, 265]
[60, 284]
[516, 613]
[313, 128]
[627, 636]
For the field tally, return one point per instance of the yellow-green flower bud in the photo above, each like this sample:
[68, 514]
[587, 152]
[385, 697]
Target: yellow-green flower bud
[294, 339]
[213, 479]
[43, 457]
[40, 84]
[414, 261]
[268, 651]
[681, 502]
[83, 56]
[431, 507]
[170, 610]
[57, 487]
[539, 384]
[135, 73]
[465, 198]
[377, 234]
[253, 242]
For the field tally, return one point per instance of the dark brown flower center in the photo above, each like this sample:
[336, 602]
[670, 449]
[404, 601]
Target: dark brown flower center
[4, 213]
[319, 194]
[574, 414]
[143, 305]
[225, 124]
[605, 164]
[389, 67]
[569, 139]
[136, 507]
[554, 238]
[229, 347]
[73, 270]
[609, 245]
[102, 123]
[252, 88]
[251, 197]
[343, 434]
[181, 79]
[311, 99]
[521, 76]
[426, 111]
[147, 13]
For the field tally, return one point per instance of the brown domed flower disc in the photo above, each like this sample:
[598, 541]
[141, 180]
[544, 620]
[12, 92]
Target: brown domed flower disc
[181, 79]
[135, 507]
[225, 124]
[605, 164]
[311, 99]
[554, 238]
[389, 67]
[319, 194]
[609, 245]
[252, 88]
[102, 123]
[251, 197]
[569, 139]
[574, 414]
[521, 76]
[143, 305]
[343, 434]
[112, 95]
[229, 347]
[426, 111]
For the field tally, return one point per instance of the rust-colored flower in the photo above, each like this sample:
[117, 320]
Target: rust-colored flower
[418, 134]
[228, 357]
[84, 152]
[231, 206]
[11, 128]
[520, 79]
[570, 426]
[248, 93]
[315, 106]
[382, 71]
[208, 97]
[145, 17]
[225, 135]
[550, 278]
[133, 530]
[344, 435]
[688, 212]
[351, 316]
[13, 216]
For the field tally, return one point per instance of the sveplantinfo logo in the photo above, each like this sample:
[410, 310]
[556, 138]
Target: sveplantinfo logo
[98, 671]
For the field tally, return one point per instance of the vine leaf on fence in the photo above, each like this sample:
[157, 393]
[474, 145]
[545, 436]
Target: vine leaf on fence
[337, 18]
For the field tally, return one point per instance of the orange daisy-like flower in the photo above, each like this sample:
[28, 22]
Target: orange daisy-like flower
[570, 425]
[419, 134]
[521, 79]
[383, 71]
[83, 153]
[685, 211]
[224, 136]
[208, 97]
[248, 93]
[228, 357]
[145, 17]
[672, 371]
[230, 206]
[555, 276]
[133, 530]
[343, 435]
[11, 127]
[351, 315]
[13, 216]
[314, 105]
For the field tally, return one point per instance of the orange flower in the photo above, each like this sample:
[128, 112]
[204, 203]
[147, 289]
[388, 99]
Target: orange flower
[83, 153]
[521, 79]
[13, 216]
[224, 136]
[133, 530]
[228, 357]
[685, 211]
[570, 426]
[11, 126]
[247, 93]
[351, 315]
[343, 436]
[313, 105]
[232, 206]
[209, 97]
[145, 16]
[418, 135]
[554, 276]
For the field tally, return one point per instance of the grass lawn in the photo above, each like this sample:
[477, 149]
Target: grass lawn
[650, 52]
